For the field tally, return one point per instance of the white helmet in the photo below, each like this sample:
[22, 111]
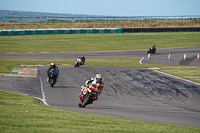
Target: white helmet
[98, 77]
[53, 65]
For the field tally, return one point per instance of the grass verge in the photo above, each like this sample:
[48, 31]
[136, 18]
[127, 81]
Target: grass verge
[96, 42]
[187, 72]
[20, 113]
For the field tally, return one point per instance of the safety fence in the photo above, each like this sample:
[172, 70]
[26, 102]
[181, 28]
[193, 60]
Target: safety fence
[54, 19]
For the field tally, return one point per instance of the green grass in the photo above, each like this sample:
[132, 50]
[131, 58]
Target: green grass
[20, 113]
[97, 42]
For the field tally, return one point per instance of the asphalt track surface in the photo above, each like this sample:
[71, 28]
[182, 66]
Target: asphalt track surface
[135, 93]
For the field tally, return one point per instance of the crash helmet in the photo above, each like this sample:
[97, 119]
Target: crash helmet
[98, 77]
[53, 65]
[83, 56]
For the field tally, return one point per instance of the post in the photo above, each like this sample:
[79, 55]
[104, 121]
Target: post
[150, 19]
[14, 21]
[158, 20]
[66, 19]
[121, 19]
[40, 19]
[27, 20]
[165, 19]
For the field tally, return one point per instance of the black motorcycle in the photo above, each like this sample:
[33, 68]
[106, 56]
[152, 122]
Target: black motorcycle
[152, 49]
[52, 77]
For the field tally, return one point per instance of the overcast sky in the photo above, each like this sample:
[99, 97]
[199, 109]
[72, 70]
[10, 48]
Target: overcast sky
[107, 7]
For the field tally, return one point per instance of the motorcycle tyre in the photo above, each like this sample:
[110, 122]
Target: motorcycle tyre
[80, 104]
[76, 65]
[86, 101]
[51, 82]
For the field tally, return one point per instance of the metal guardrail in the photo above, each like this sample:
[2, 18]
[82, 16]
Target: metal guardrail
[53, 19]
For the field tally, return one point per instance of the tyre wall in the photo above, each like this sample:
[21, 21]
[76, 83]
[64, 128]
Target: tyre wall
[161, 29]
[96, 30]
[59, 31]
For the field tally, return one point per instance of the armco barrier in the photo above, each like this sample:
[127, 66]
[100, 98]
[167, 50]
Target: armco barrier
[162, 29]
[59, 31]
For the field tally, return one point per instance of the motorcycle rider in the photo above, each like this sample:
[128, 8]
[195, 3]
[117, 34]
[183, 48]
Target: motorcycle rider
[152, 49]
[94, 83]
[52, 66]
[78, 62]
[82, 60]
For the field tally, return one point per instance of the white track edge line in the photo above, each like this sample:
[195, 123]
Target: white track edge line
[141, 60]
[42, 90]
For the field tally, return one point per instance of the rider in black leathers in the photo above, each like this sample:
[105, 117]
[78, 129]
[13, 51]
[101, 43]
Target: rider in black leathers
[82, 59]
[52, 66]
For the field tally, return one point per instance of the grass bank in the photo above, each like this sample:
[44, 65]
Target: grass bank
[20, 113]
[97, 42]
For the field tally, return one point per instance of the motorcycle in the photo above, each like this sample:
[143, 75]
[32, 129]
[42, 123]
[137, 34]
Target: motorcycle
[77, 63]
[52, 77]
[152, 50]
[87, 96]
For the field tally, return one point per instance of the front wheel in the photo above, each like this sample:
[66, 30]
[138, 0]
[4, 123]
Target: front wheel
[51, 82]
[80, 104]
[86, 101]
[76, 65]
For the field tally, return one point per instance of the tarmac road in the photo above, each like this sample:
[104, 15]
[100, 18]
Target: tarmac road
[136, 93]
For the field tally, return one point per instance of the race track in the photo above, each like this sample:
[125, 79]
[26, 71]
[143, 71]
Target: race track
[135, 93]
